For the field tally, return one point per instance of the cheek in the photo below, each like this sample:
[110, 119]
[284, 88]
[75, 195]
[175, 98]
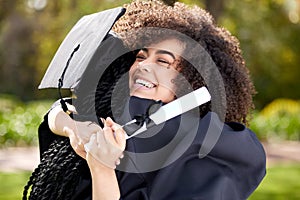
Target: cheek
[131, 72]
[167, 95]
[134, 66]
[167, 80]
[167, 90]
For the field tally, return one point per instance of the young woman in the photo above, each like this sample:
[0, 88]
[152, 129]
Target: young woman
[163, 162]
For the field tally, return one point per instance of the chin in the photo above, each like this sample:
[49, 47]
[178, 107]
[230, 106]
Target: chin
[141, 95]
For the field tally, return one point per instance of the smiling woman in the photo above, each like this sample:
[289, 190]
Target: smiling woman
[154, 70]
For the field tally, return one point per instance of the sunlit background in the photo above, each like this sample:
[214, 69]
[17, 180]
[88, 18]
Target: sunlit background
[269, 34]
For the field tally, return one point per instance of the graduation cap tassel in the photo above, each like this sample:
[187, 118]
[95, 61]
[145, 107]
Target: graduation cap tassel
[61, 80]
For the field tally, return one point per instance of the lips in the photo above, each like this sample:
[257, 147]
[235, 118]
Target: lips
[145, 83]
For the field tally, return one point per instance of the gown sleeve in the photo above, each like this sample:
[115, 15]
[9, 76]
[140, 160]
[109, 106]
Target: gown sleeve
[45, 135]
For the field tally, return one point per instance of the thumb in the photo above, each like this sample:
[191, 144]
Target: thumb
[91, 145]
[109, 122]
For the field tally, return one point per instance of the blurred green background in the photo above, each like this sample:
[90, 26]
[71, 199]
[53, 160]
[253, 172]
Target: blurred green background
[269, 34]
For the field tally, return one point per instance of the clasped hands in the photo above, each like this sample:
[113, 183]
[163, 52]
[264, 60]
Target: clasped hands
[105, 145]
[89, 140]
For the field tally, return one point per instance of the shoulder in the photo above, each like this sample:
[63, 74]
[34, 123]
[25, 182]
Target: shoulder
[225, 161]
[230, 138]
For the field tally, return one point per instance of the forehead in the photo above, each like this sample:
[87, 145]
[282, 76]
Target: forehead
[171, 45]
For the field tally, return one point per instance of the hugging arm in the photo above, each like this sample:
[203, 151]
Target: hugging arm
[102, 149]
[103, 153]
[78, 132]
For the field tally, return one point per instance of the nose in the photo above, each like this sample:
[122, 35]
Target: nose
[144, 66]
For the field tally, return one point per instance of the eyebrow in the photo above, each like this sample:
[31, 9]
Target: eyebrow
[161, 52]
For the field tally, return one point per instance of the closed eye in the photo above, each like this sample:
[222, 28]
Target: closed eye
[140, 58]
[164, 62]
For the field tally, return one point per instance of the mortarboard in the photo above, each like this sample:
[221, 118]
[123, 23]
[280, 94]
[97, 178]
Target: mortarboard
[77, 49]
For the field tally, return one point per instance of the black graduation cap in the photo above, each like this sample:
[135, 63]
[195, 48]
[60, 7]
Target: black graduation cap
[77, 49]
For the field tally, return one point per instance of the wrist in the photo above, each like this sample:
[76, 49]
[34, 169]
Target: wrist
[98, 167]
[105, 183]
[58, 120]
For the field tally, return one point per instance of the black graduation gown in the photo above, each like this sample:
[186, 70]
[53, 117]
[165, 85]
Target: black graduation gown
[231, 170]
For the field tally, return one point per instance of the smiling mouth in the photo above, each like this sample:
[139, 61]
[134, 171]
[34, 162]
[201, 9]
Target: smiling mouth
[145, 83]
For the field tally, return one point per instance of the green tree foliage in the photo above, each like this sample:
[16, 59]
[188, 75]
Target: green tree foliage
[30, 36]
[279, 120]
[269, 34]
[18, 50]
[268, 31]
[20, 121]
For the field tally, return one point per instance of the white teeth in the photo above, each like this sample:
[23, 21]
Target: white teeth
[144, 83]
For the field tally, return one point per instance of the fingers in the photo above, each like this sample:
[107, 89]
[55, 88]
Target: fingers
[105, 145]
[114, 134]
[119, 135]
[109, 122]
[84, 130]
[117, 162]
[91, 144]
[76, 145]
[109, 136]
[101, 141]
[103, 153]
[81, 152]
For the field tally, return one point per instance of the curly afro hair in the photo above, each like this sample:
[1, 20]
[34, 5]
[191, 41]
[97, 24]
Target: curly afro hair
[199, 25]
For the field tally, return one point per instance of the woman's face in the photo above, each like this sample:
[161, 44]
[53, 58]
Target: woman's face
[151, 75]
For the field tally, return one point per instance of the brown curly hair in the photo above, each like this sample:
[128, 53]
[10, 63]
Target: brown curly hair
[196, 23]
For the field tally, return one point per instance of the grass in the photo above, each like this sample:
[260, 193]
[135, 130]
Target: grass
[12, 185]
[281, 183]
